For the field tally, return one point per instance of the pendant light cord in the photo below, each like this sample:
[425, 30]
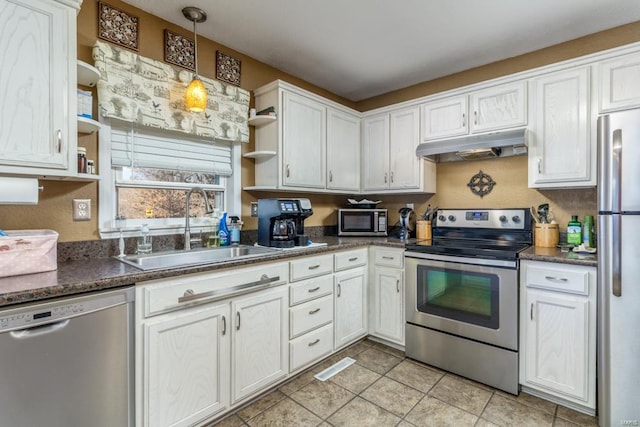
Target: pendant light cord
[195, 44]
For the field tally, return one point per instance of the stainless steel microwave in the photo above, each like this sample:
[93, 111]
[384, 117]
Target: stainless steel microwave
[362, 222]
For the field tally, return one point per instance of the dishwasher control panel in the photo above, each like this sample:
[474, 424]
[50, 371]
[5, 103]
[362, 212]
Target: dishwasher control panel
[27, 318]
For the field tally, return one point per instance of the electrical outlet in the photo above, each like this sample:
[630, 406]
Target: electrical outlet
[254, 208]
[410, 206]
[81, 209]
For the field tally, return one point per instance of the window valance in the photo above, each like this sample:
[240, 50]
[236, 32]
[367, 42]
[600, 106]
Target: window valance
[150, 93]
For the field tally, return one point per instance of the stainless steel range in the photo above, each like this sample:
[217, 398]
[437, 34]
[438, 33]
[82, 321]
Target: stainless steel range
[462, 294]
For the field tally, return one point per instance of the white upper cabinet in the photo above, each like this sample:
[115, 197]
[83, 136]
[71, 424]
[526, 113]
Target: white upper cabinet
[389, 154]
[38, 87]
[304, 125]
[561, 150]
[494, 108]
[313, 144]
[620, 83]
[343, 151]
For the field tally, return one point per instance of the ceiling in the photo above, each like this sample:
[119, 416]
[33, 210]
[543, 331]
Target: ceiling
[362, 48]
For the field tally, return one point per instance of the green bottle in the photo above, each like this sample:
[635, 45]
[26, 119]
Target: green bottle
[574, 231]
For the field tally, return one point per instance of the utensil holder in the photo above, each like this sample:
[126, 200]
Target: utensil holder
[547, 235]
[423, 230]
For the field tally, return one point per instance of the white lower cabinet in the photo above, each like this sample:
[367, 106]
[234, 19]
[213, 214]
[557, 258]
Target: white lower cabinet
[386, 302]
[558, 335]
[186, 375]
[259, 350]
[350, 306]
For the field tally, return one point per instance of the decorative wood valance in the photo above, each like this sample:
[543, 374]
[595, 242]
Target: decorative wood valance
[150, 93]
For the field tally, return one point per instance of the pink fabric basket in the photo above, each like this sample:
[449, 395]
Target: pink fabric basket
[28, 251]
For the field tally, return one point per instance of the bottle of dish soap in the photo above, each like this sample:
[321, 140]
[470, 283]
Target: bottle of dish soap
[225, 239]
[574, 231]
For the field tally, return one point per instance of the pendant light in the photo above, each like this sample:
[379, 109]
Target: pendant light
[196, 95]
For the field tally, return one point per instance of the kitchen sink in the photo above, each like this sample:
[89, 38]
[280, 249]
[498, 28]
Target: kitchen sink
[183, 258]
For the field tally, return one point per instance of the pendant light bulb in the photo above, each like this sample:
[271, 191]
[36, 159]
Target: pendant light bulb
[196, 94]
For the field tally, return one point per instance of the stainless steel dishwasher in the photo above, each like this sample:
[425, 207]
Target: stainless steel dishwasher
[68, 362]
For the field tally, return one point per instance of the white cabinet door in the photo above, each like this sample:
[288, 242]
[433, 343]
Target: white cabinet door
[387, 314]
[186, 374]
[445, 118]
[260, 341]
[343, 151]
[37, 41]
[499, 107]
[375, 152]
[304, 143]
[350, 306]
[404, 137]
[619, 87]
[561, 152]
[557, 343]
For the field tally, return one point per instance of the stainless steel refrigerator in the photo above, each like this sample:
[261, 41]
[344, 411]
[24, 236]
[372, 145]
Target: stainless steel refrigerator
[619, 269]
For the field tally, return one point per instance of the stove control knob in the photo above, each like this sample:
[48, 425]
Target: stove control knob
[503, 219]
[516, 219]
[452, 218]
[442, 218]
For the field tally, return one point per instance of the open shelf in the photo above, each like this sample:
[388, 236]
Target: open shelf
[259, 154]
[262, 120]
[87, 126]
[88, 75]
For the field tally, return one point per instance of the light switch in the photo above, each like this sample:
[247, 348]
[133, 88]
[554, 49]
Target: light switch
[81, 209]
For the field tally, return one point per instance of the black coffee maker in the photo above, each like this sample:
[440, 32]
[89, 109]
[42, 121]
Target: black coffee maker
[281, 222]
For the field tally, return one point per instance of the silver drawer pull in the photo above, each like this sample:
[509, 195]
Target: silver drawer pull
[556, 279]
[388, 257]
[264, 282]
[314, 311]
[312, 343]
[313, 267]
[317, 288]
[355, 258]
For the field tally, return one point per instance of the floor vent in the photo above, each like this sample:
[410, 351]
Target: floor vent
[335, 368]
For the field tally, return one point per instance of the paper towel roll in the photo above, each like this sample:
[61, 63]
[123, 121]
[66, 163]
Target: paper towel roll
[18, 191]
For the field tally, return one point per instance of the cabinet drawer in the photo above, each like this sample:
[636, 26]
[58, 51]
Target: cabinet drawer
[389, 257]
[310, 315]
[563, 278]
[310, 289]
[310, 347]
[310, 267]
[162, 295]
[350, 259]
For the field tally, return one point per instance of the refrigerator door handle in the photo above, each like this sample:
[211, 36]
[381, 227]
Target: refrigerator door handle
[616, 170]
[616, 254]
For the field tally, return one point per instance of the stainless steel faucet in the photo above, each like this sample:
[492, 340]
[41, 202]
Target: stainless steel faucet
[187, 228]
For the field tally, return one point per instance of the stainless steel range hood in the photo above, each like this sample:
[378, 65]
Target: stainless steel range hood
[474, 147]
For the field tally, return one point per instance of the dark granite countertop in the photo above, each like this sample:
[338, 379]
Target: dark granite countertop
[556, 255]
[76, 277]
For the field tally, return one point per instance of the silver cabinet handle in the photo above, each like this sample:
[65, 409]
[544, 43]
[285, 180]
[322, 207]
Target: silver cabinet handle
[385, 177]
[287, 173]
[317, 288]
[330, 176]
[264, 282]
[224, 325]
[312, 343]
[398, 286]
[238, 320]
[59, 138]
[464, 120]
[388, 257]
[355, 258]
[339, 290]
[539, 165]
[313, 267]
[314, 311]
[475, 117]
[556, 279]
[531, 311]
[392, 177]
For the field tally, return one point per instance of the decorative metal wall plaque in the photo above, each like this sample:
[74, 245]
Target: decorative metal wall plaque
[179, 50]
[117, 26]
[481, 184]
[227, 68]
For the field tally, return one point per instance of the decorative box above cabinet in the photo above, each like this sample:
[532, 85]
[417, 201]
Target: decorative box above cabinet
[620, 83]
[494, 108]
[314, 145]
[38, 87]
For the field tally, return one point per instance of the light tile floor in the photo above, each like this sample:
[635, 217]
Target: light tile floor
[383, 388]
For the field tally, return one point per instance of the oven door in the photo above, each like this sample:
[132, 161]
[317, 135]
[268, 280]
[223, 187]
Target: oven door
[477, 302]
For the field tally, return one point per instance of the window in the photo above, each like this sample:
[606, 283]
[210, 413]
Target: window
[149, 175]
